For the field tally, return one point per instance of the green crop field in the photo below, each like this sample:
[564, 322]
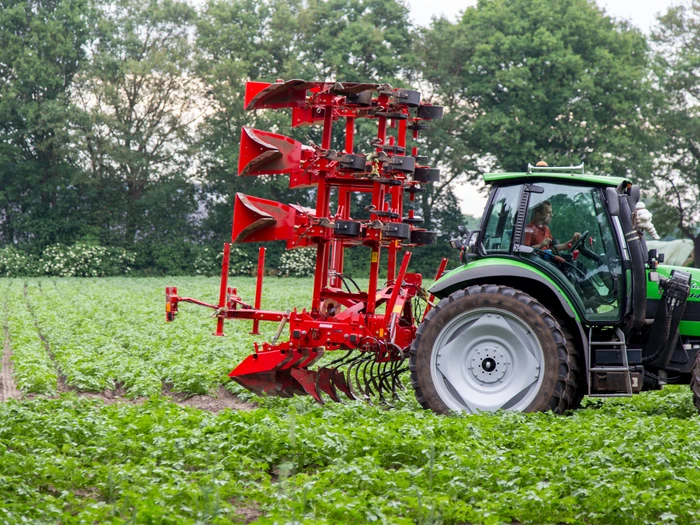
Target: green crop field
[106, 429]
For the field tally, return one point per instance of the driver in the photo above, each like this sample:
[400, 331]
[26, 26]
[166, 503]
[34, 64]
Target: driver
[537, 233]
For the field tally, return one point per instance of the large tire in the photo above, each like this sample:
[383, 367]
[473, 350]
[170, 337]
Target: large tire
[578, 389]
[695, 381]
[493, 347]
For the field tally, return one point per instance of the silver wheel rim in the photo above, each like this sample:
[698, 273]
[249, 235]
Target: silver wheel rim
[487, 359]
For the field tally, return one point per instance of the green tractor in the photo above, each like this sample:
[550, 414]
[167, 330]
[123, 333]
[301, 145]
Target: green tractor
[531, 323]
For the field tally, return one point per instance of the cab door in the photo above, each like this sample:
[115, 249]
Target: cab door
[589, 270]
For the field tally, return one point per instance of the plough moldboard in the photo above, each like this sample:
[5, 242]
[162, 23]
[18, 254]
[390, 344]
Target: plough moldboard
[371, 329]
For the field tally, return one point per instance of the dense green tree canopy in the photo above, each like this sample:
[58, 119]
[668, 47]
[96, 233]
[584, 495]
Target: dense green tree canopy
[120, 120]
[41, 51]
[677, 174]
[533, 79]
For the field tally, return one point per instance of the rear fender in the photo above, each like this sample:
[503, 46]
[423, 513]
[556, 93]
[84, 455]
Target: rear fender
[515, 276]
[520, 278]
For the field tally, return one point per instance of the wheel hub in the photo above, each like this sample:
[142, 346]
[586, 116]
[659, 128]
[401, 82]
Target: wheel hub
[488, 364]
[487, 359]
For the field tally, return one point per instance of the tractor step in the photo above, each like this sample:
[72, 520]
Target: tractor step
[606, 379]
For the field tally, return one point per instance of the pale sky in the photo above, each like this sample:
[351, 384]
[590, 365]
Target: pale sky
[641, 13]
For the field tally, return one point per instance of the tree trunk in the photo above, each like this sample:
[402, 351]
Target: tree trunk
[135, 189]
[696, 252]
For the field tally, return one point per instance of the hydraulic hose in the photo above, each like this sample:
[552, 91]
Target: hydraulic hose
[663, 344]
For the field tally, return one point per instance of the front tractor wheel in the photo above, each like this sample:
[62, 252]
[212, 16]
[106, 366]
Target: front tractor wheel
[493, 347]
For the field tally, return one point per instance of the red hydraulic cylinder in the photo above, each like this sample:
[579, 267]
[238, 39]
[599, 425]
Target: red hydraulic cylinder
[390, 314]
[349, 134]
[391, 261]
[322, 210]
[258, 287]
[441, 270]
[223, 288]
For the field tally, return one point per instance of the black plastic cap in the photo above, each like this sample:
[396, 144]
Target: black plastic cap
[397, 230]
[422, 174]
[423, 237]
[428, 112]
[363, 98]
[407, 97]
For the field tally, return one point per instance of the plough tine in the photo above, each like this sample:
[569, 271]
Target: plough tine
[307, 379]
[325, 384]
[387, 375]
[338, 381]
[368, 388]
[396, 379]
[384, 380]
[358, 384]
[376, 379]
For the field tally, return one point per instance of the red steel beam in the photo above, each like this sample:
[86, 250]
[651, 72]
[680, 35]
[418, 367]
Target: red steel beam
[258, 288]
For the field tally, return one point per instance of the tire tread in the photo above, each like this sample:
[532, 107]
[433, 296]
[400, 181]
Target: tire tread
[565, 392]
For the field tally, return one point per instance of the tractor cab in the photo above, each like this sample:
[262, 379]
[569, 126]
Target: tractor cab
[557, 298]
[560, 225]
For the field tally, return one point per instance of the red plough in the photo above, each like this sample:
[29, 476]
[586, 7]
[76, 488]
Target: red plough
[374, 327]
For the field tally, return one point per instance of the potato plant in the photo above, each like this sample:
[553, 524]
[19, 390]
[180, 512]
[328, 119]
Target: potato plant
[74, 460]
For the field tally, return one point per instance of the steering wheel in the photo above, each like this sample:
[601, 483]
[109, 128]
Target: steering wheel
[559, 260]
[578, 243]
[576, 275]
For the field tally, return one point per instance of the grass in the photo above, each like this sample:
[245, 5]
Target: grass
[71, 460]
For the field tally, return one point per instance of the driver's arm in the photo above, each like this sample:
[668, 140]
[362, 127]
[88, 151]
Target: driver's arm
[565, 245]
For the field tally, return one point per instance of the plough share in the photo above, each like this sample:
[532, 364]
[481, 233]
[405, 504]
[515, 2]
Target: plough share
[374, 328]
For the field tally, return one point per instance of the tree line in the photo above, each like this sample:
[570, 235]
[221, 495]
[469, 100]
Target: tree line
[120, 120]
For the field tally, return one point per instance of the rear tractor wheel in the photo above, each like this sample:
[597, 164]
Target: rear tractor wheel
[493, 347]
[695, 381]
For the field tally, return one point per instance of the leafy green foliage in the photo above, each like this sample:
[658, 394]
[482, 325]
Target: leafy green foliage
[677, 175]
[298, 263]
[526, 80]
[80, 461]
[33, 369]
[78, 260]
[41, 51]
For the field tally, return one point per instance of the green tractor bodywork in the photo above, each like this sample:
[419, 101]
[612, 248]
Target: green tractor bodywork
[528, 323]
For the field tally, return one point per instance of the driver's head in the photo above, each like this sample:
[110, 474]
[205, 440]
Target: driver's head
[542, 213]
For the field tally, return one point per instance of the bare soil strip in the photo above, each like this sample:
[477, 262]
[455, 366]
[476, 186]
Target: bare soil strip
[223, 399]
[211, 403]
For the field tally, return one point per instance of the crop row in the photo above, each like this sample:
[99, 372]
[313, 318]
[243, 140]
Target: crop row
[78, 461]
[108, 334]
[34, 371]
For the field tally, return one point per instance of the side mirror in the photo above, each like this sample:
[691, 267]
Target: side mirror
[612, 201]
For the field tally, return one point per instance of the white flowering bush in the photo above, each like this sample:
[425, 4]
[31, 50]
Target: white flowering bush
[16, 263]
[208, 262]
[84, 260]
[300, 262]
[58, 260]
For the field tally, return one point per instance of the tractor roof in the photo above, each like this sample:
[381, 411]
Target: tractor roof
[540, 175]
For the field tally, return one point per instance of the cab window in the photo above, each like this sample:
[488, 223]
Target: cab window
[500, 220]
[572, 238]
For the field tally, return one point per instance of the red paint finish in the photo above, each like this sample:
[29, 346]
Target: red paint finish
[377, 324]
[258, 288]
